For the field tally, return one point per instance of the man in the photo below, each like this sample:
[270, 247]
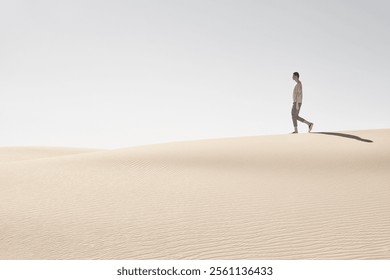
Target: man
[297, 103]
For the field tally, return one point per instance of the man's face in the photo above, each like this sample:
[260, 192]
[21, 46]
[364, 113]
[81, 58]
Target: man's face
[294, 77]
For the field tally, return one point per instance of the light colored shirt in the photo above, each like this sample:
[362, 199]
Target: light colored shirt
[297, 94]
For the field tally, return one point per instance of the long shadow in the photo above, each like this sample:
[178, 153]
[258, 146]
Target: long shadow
[350, 136]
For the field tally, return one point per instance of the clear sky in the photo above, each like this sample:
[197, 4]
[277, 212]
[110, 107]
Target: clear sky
[110, 74]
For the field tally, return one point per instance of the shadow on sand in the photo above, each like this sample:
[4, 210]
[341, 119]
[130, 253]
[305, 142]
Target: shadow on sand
[350, 136]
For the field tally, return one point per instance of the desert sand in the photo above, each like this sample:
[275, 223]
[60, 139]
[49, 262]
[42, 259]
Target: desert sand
[304, 196]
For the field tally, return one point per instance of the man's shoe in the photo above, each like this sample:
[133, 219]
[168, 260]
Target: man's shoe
[311, 126]
[294, 132]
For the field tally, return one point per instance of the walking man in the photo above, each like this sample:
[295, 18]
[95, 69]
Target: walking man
[297, 103]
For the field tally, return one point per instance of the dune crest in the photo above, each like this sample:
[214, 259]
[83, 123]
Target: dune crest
[306, 196]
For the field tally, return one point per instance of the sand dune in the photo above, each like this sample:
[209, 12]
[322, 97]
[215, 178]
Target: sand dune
[30, 153]
[305, 196]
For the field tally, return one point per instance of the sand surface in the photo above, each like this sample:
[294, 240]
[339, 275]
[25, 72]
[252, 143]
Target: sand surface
[305, 196]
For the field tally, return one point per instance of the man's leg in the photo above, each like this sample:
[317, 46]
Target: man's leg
[294, 115]
[302, 119]
[298, 117]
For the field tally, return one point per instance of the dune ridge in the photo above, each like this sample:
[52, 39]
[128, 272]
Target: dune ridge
[305, 196]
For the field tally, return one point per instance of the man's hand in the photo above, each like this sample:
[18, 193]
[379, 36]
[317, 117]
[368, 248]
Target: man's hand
[297, 107]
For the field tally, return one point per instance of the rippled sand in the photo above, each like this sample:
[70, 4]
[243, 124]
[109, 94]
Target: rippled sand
[305, 196]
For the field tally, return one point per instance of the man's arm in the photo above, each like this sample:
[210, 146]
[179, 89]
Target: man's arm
[299, 95]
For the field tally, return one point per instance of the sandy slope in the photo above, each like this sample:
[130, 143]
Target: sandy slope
[306, 196]
[29, 153]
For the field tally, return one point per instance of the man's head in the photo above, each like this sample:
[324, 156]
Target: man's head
[295, 76]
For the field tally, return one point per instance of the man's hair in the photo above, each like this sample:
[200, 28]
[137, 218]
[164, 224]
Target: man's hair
[296, 74]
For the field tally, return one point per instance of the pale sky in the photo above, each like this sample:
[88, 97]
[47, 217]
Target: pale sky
[111, 74]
